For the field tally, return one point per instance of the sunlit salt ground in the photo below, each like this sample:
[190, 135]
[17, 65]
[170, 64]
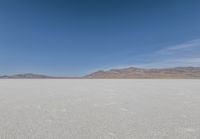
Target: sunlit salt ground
[99, 109]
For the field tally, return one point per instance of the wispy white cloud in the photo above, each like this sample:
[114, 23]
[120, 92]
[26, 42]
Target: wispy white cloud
[185, 54]
[189, 44]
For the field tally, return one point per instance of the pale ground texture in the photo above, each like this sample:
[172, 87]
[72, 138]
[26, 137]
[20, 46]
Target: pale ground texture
[99, 109]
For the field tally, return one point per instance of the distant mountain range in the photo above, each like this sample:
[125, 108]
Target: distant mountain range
[139, 73]
[125, 73]
[32, 76]
[26, 75]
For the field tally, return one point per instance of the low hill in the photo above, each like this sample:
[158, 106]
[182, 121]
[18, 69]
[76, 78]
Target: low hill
[140, 73]
[26, 75]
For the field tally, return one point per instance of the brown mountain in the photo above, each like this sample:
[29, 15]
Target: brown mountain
[139, 73]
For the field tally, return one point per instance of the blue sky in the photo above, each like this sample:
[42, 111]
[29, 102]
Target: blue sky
[75, 37]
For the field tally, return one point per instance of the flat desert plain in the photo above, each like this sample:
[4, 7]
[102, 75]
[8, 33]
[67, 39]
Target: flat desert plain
[99, 109]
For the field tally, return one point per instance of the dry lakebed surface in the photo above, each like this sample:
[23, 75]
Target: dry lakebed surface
[99, 109]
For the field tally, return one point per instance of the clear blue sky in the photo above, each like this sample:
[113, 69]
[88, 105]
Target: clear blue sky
[74, 37]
